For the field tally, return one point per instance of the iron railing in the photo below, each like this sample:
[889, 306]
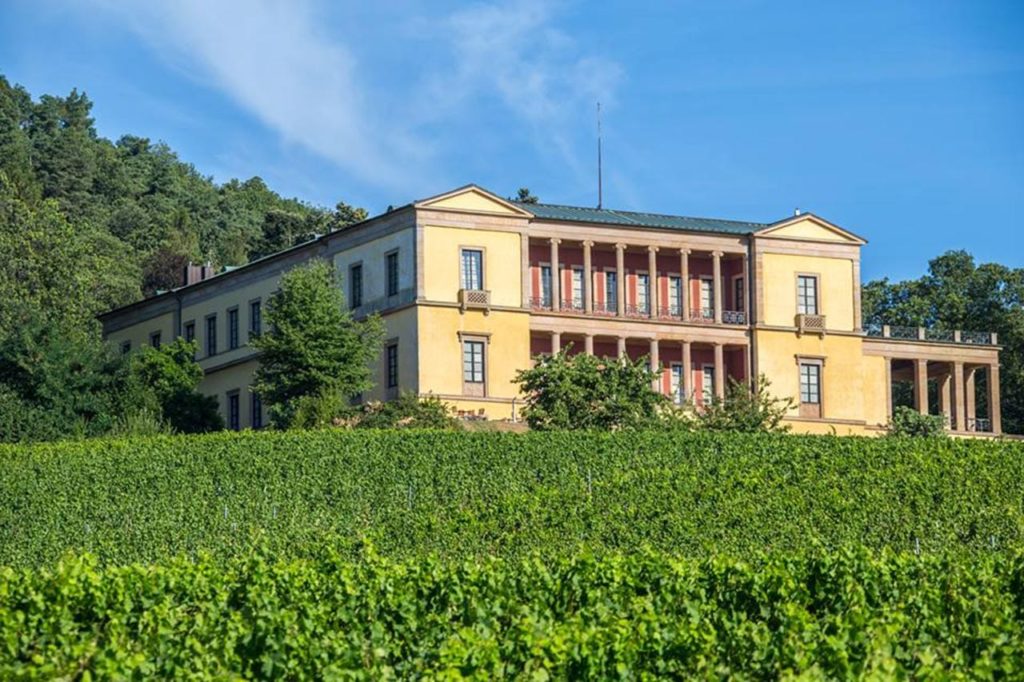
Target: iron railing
[884, 331]
[702, 314]
[734, 317]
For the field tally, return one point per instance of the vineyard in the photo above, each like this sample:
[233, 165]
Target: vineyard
[461, 495]
[383, 555]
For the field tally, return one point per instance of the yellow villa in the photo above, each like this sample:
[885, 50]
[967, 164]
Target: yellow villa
[471, 287]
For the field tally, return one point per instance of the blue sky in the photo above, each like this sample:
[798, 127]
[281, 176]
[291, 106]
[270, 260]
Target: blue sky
[901, 121]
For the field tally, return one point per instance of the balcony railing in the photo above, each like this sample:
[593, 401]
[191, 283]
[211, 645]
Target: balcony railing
[540, 303]
[933, 335]
[637, 311]
[672, 312]
[702, 314]
[475, 298]
[734, 317]
[572, 306]
[606, 309]
[979, 424]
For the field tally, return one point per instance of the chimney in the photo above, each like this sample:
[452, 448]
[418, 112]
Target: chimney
[197, 273]
[796, 211]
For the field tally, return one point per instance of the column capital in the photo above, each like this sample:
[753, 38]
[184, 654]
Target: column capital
[588, 243]
[620, 246]
[717, 254]
[652, 249]
[685, 252]
[554, 240]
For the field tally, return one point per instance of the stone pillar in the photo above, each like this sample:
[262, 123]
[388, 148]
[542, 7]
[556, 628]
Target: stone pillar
[684, 283]
[921, 385]
[655, 365]
[888, 389]
[622, 347]
[524, 247]
[620, 276]
[959, 398]
[556, 276]
[717, 287]
[970, 394]
[588, 344]
[588, 279]
[652, 280]
[556, 342]
[687, 371]
[995, 409]
[745, 303]
[945, 397]
[719, 370]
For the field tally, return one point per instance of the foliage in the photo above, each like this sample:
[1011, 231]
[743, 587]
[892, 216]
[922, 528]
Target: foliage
[525, 196]
[957, 293]
[906, 421]
[408, 411]
[833, 615]
[747, 410]
[582, 391]
[173, 375]
[313, 351]
[461, 494]
[142, 422]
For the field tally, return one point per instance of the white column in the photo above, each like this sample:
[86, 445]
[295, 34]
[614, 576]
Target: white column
[655, 365]
[995, 410]
[556, 276]
[588, 344]
[687, 371]
[684, 298]
[719, 371]
[588, 281]
[652, 279]
[556, 342]
[959, 398]
[717, 271]
[620, 274]
[971, 393]
[622, 347]
[921, 385]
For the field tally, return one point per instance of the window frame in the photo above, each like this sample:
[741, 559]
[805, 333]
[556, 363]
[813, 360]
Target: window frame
[676, 376]
[391, 365]
[707, 384]
[739, 293]
[574, 272]
[807, 408]
[211, 338]
[255, 410]
[154, 340]
[481, 270]
[234, 410]
[709, 311]
[233, 331]
[641, 277]
[255, 320]
[816, 278]
[391, 274]
[189, 331]
[611, 294]
[472, 386]
[675, 289]
[355, 285]
[545, 284]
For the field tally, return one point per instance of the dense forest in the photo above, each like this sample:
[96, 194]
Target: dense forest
[87, 224]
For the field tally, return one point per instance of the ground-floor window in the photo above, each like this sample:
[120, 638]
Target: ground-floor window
[392, 365]
[474, 366]
[810, 388]
[257, 411]
[234, 421]
[678, 391]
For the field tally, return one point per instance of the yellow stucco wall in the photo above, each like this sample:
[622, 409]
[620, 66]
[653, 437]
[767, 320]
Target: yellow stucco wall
[399, 327]
[440, 353]
[472, 200]
[442, 268]
[835, 283]
[139, 334]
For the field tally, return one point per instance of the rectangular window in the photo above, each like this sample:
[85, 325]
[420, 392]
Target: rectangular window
[154, 340]
[255, 319]
[391, 355]
[233, 329]
[577, 288]
[810, 383]
[738, 295]
[126, 347]
[211, 335]
[392, 271]
[707, 298]
[355, 285]
[190, 331]
[473, 362]
[708, 384]
[256, 406]
[675, 296]
[545, 286]
[473, 269]
[233, 417]
[611, 289]
[678, 395]
[643, 292]
[807, 294]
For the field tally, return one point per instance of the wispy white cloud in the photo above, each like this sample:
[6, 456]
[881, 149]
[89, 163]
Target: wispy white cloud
[280, 61]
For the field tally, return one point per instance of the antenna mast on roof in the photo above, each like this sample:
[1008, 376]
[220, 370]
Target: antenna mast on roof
[600, 198]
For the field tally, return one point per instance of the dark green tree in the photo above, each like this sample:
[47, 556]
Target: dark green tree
[172, 375]
[583, 391]
[314, 356]
[746, 409]
[525, 196]
[906, 421]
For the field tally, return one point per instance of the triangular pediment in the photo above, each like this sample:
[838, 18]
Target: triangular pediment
[473, 199]
[810, 227]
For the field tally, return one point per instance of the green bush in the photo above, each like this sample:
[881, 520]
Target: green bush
[408, 411]
[462, 494]
[815, 615]
[906, 421]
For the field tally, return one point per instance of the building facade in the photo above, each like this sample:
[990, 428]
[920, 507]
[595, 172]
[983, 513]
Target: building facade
[471, 287]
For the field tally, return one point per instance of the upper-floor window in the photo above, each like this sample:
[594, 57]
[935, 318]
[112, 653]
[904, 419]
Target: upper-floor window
[190, 331]
[675, 295]
[739, 300]
[677, 383]
[545, 285]
[233, 328]
[391, 356]
[707, 383]
[611, 288]
[577, 288]
[255, 319]
[810, 383]
[643, 292]
[707, 297]
[355, 285]
[211, 335]
[392, 273]
[472, 269]
[473, 361]
[807, 294]
[154, 340]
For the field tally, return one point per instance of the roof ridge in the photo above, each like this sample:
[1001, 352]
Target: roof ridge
[620, 211]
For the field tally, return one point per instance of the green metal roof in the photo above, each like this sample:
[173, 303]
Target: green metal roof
[578, 214]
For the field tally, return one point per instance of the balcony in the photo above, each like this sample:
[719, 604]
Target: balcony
[810, 324]
[734, 317]
[475, 298]
[967, 338]
[705, 315]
